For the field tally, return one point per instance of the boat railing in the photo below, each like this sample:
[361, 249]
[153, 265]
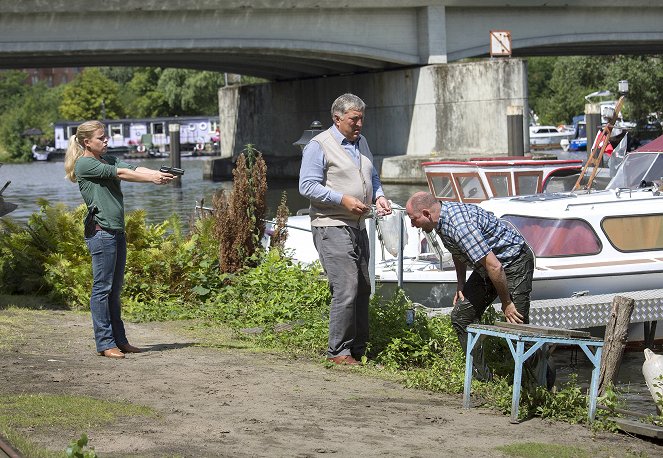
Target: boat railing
[630, 200]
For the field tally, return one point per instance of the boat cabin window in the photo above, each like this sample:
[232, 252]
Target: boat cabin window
[441, 186]
[71, 131]
[115, 130]
[550, 237]
[634, 233]
[528, 182]
[470, 187]
[500, 183]
[158, 128]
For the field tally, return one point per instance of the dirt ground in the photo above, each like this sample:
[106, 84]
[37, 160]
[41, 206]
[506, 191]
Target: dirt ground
[234, 402]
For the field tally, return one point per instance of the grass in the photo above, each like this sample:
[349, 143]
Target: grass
[36, 412]
[540, 450]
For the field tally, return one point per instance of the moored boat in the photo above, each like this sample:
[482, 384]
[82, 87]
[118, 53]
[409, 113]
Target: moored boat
[585, 242]
[548, 136]
[6, 207]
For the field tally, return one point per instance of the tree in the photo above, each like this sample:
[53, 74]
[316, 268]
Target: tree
[191, 92]
[146, 100]
[12, 86]
[91, 96]
[645, 78]
[557, 86]
[36, 107]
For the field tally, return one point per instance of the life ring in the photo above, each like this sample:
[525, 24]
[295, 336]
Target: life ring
[141, 148]
[192, 127]
[199, 146]
[202, 126]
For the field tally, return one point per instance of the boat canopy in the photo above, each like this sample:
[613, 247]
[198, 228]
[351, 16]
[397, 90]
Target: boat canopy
[638, 170]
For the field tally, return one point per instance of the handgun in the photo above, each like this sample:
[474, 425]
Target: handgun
[172, 170]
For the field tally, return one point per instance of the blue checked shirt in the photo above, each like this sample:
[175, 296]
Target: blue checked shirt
[469, 232]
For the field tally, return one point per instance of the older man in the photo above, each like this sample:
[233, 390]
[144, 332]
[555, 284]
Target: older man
[338, 177]
[501, 260]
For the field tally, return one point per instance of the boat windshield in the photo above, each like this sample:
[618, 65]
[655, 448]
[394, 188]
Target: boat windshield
[550, 237]
[636, 168]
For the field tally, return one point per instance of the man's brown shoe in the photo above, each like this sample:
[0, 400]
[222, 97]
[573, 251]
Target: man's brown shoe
[343, 359]
[112, 353]
[128, 348]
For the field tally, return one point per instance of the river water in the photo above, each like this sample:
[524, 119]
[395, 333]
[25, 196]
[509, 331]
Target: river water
[45, 180]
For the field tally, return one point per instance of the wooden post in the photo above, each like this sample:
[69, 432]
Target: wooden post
[514, 121]
[175, 159]
[615, 340]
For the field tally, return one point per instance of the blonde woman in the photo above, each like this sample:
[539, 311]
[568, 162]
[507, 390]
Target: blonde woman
[98, 176]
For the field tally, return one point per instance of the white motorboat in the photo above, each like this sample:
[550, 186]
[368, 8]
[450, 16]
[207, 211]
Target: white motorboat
[594, 242]
[549, 136]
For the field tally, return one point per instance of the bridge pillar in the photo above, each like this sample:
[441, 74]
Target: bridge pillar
[436, 112]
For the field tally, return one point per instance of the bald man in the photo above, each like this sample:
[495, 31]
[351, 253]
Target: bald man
[502, 262]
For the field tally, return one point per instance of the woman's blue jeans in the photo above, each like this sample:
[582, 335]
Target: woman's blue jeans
[109, 255]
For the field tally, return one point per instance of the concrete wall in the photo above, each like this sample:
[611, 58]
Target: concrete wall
[436, 111]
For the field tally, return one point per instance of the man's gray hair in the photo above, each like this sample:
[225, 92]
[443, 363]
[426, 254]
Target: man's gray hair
[345, 103]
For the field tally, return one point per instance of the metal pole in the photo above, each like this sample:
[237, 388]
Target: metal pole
[371, 244]
[400, 250]
[175, 158]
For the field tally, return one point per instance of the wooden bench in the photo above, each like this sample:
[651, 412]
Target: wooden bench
[516, 335]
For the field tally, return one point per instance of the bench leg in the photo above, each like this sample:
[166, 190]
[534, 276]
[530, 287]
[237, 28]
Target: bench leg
[517, 378]
[469, 362]
[594, 387]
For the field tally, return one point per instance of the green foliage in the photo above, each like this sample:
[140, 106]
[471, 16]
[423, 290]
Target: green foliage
[190, 91]
[12, 88]
[276, 292]
[34, 108]
[143, 99]
[78, 448]
[49, 256]
[52, 235]
[557, 85]
[91, 95]
[538, 450]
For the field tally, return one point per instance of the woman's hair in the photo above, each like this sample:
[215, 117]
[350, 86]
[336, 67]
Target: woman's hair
[75, 147]
[345, 103]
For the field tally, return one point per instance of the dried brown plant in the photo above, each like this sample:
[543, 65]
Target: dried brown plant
[240, 217]
[280, 234]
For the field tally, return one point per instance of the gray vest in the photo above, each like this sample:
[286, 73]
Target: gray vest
[343, 175]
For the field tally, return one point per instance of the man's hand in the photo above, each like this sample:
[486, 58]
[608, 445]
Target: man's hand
[382, 206]
[511, 314]
[354, 205]
[458, 296]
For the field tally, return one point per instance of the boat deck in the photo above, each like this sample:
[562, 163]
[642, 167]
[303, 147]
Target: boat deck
[587, 311]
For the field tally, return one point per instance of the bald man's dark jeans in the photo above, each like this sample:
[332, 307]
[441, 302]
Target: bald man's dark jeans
[480, 292]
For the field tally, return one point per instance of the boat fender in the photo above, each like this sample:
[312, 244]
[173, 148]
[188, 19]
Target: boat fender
[199, 146]
[652, 369]
[564, 143]
[141, 148]
[388, 226]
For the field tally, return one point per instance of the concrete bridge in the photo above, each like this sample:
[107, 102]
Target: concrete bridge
[285, 39]
[402, 60]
